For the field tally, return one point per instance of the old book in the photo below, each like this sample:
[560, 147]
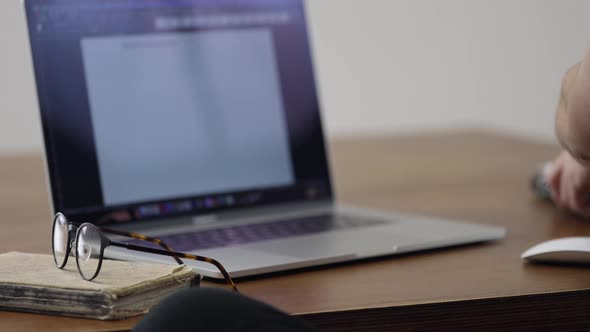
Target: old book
[32, 283]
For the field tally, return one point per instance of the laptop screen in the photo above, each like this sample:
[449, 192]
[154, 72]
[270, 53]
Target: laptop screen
[158, 108]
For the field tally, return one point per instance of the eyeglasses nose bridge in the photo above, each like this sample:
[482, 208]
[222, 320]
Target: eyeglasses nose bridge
[72, 229]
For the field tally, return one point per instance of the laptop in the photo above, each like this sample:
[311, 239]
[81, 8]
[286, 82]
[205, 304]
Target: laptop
[198, 122]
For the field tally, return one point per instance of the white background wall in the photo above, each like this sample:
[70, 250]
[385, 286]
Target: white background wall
[389, 66]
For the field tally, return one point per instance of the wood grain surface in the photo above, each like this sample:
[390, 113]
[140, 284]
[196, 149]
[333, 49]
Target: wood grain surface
[475, 176]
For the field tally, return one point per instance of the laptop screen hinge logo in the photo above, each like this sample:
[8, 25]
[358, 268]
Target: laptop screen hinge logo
[205, 219]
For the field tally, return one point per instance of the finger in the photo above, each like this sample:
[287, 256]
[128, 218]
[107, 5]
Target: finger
[579, 200]
[565, 191]
[553, 179]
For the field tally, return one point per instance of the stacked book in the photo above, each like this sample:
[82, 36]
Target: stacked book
[32, 283]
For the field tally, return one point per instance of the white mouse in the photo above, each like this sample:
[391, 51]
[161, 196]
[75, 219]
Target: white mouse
[564, 250]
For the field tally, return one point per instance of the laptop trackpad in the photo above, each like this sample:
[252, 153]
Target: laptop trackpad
[241, 258]
[332, 244]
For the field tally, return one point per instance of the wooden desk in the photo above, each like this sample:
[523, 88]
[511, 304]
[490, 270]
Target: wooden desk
[472, 176]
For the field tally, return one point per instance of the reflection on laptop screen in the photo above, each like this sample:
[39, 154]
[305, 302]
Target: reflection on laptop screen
[163, 107]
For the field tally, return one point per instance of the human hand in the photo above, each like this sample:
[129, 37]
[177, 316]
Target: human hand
[572, 121]
[569, 181]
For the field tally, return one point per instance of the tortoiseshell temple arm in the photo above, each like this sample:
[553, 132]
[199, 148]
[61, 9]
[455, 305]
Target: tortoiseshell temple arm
[212, 261]
[143, 238]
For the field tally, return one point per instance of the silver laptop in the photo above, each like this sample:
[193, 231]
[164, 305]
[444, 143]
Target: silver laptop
[198, 122]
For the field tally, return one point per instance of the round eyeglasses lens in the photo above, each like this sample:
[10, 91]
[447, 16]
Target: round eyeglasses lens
[60, 240]
[88, 251]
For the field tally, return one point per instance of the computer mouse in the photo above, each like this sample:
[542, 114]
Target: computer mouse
[564, 250]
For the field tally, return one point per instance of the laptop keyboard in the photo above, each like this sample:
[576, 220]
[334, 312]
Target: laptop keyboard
[243, 234]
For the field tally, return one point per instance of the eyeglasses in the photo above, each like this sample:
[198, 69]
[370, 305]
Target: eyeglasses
[89, 243]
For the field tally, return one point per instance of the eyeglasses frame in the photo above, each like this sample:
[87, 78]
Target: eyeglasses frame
[74, 229]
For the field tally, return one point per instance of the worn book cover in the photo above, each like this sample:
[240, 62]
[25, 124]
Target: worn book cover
[32, 283]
